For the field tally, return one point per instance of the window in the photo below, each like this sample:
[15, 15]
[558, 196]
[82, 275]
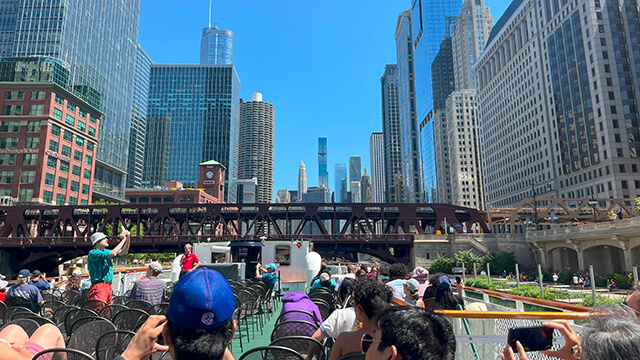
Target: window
[85, 189]
[73, 200]
[60, 199]
[75, 170]
[71, 106]
[92, 131]
[79, 141]
[36, 109]
[55, 130]
[33, 126]
[84, 202]
[88, 159]
[77, 155]
[67, 136]
[38, 95]
[82, 113]
[14, 95]
[32, 143]
[26, 195]
[82, 126]
[30, 159]
[47, 196]
[283, 255]
[6, 177]
[28, 177]
[625, 184]
[52, 162]
[49, 179]
[87, 174]
[62, 183]
[89, 146]
[12, 110]
[75, 186]
[9, 143]
[622, 168]
[59, 100]
[92, 119]
[64, 166]
[70, 120]
[66, 150]
[53, 145]
[10, 126]
[7, 159]
[57, 114]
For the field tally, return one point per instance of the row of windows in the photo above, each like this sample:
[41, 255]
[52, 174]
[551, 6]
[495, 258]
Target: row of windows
[10, 159]
[47, 197]
[19, 95]
[14, 126]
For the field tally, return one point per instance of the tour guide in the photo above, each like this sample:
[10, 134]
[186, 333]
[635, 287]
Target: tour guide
[101, 267]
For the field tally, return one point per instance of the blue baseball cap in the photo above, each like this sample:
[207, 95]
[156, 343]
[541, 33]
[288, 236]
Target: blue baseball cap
[271, 266]
[444, 282]
[202, 299]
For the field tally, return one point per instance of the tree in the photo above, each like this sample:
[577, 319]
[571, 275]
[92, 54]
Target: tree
[442, 264]
[501, 261]
[468, 258]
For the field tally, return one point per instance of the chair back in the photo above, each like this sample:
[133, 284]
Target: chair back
[85, 336]
[271, 353]
[112, 343]
[61, 353]
[293, 328]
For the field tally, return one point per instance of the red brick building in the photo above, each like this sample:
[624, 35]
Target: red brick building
[48, 144]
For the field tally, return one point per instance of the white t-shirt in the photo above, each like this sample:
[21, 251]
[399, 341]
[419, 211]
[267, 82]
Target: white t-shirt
[340, 278]
[339, 321]
[398, 288]
[555, 277]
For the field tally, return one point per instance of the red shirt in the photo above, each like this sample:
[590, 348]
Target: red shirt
[188, 261]
[3, 295]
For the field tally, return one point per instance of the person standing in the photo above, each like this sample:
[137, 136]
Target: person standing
[101, 266]
[189, 261]
[555, 278]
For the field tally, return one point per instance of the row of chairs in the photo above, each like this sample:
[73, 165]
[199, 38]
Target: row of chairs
[253, 300]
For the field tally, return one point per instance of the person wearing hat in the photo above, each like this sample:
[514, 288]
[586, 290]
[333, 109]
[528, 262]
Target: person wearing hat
[39, 280]
[439, 295]
[267, 274]
[199, 322]
[150, 288]
[24, 294]
[412, 293]
[325, 280]
[75, 281]
[101, 266]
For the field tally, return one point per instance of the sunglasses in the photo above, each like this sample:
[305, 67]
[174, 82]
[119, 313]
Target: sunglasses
[366, 342]
[625, 306]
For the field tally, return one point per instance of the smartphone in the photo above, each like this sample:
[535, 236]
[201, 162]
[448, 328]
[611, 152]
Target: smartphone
[458, 279]
[532, 338]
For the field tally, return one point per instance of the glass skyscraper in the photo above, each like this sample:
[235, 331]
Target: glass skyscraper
[138, 119]
[216, 46]
[355, 171]
[391, 131]
[193, 106]
[99, 43]
[339, 180]
[323, 173]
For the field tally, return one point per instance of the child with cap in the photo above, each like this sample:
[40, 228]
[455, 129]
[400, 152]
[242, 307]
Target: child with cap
[101, 267]
[199, 322]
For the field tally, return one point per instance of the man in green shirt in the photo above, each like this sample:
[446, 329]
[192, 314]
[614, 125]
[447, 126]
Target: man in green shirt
[101, 267]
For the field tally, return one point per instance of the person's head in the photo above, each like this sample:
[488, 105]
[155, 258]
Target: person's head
[154, 269]
[271, 267]
[346, 288]
[188, 248]
[200, 316]
[632, 302]
[370, 298]
[325, 279]
[37, 275]
[361, 274]
[421, 274]
[411, 288]
[397, 271]
[611, 335]
[24, 276]
[411, 333]
[99, 241]
[440, 289]
[351, 269]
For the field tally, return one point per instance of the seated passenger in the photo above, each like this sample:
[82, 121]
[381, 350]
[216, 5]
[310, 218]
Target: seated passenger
[370, 297]
[39, 280]
[15, 344]
[298, 300]
[398, 274]
[24, 294]
[412, 293]
[150, 288]
[340, 320]
[410, 333]
[439, 296]
[326, 281]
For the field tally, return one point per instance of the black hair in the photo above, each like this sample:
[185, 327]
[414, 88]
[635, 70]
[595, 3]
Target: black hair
[346, 288]
[397, 271]
[373, 296]
[384, 269]
[361, 274]
[417, 334]
[444, 298]
[198, 344]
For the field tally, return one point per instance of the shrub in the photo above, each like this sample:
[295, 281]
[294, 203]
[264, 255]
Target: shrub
[481, 283]
[587, 300]
[565, 276]
[501, 261]
[442, 264]
[469, 258]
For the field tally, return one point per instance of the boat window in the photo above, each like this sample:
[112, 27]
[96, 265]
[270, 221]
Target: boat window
[283, 255]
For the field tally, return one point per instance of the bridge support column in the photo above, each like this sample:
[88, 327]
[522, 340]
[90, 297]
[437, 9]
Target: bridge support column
[543, 260]
[580, 260]
[628, 259]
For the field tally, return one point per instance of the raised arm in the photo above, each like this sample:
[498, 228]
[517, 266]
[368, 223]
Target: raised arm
[124, 243]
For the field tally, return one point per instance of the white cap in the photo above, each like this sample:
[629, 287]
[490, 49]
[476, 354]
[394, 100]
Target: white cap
[76, 272]
[324, 277]
[97, 237]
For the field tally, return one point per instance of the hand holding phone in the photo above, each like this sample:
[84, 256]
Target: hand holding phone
[458, 279]
[532, 338]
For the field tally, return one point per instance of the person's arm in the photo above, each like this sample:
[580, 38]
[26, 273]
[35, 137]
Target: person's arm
[196, 262]
[318, 335]
[143, 344]
[336, 350]
[127, 236]
[259, 271]
[119, 248]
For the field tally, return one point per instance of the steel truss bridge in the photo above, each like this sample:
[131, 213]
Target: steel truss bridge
[59, 233]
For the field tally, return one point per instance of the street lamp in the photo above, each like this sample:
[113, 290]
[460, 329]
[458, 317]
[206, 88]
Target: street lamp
[593, 202]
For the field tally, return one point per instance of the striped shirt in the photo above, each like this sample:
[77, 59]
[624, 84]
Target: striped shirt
[150, 289]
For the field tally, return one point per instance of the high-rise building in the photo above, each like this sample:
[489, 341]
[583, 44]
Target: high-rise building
[411, 166]
[254, 158]
[391, 131]
[323, 173]
[99, 42]
[192, 106]
[339, 174]
[356, 195]
[442, 76]
[376, 151]
[283, 196]
[138, 119]
[302, 181]
[247, 192]
[365, 187]
[317, 194]
[443, 160]
[355, 170]
[216, 46]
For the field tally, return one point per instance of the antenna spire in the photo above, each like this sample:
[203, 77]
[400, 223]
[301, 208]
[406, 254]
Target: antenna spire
[209, 13]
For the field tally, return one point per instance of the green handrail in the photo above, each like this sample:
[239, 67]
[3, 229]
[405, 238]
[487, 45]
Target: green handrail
[468, 330]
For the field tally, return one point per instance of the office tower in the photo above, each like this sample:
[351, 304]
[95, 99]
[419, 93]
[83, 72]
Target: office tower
[376, 154]
[48, 134]
[283, 196]
[192, 106]
[355, 169]
[293, 196]
[339, 174]
[99, 43]
[323, 174]
[469, 35]
[302, 181]
[365, 187]
[443, 160]
[391, 131]
[216, 46]
[138, 119]
[247, 192]
[317, 194]
[411, 167]
[356, 195]
[254, 158]
[442, 74]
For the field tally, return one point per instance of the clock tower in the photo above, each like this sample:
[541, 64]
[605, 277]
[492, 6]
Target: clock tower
[212, 179]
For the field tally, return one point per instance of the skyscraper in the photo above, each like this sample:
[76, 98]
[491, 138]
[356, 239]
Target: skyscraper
[391, 131]
[411, 167]
[302, 181]
[467, 42]
[442, 76]
[355, 170]
[339, 175]
[138, 119]
[376, 151]
[99, 43]
[323, 174]
[254, 158]
[198, 102]
[365, 187]
[216, 46]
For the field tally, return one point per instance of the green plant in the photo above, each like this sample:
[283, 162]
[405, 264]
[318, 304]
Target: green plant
[481, 283]
[501, 261]
[587, 300]
[442, 264]
[468, 258]
[565, 276]
[638, 204]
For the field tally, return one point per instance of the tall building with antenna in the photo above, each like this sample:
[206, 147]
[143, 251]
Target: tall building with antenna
[216, 46]
[323, 173]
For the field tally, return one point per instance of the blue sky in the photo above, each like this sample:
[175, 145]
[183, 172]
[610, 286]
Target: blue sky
[319, 63]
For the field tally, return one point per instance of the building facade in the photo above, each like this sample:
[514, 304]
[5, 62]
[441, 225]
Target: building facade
[365, 187]
[138, 119]
[283, 196]
[102, 55]
[323, 173]
[216, 46]
[302, 181]
[255, 137]
[317, 194]
[192, 106]
[355, 170]
[339, 178]
[376, 151]
[391, 131]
